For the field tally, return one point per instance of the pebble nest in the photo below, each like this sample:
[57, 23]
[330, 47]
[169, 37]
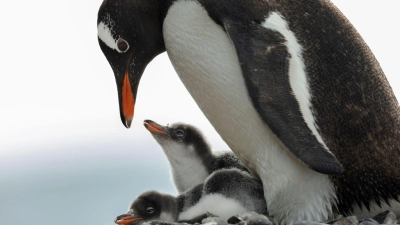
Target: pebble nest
[252, 218]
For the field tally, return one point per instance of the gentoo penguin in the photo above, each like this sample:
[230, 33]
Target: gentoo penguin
[290, 86]
[189, 154]
[224, 193]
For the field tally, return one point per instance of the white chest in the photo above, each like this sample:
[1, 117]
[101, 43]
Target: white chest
[188, 173]
[206, 62]
[187, 169]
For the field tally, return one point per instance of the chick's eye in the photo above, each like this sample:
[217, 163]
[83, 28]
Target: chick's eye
[150, 210]
[122, 45]
[180, 133]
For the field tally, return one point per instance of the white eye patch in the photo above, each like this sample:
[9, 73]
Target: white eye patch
[104, 32]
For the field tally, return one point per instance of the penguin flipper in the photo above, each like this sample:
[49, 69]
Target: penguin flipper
[265, 59]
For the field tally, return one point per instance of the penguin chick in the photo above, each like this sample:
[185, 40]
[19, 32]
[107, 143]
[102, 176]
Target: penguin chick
[189, 154]
[225, 193]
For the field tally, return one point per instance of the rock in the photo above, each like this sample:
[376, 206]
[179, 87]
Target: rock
[159, 222]
[380, 217]
[214, 219]
[334, 220]
[253, 218]
[250, 218]
[155, 222]
[390, 218]
[387, 217]
[350, 220]
[214, 223]
[234, 220]
[307, 223]
[369, 221]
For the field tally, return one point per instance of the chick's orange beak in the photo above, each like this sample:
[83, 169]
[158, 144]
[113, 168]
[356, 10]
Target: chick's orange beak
[127, 220]
[154, 127]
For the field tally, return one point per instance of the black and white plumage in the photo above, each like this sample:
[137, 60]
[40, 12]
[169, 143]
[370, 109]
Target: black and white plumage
[225, 193]
[290, 86]
[189, 155]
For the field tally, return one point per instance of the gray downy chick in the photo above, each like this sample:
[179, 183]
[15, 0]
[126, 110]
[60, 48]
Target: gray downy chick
[189, 155]
[225, 193]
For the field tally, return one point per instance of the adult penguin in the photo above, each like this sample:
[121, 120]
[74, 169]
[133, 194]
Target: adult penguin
[290, 86]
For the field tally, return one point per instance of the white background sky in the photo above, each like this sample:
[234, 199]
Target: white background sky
[56, 87]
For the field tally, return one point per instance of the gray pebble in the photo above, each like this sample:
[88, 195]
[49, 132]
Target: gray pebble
[213, 223]
[307, 223]
[350, 220]
[155, 222]
[250, 218]
[234, 220]
[159, 222]
[332, 221]
[253, 218]
[390, 218]
[214, 219]
[369, 221]
[387, 217]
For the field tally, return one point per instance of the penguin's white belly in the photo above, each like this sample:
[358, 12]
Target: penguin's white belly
[206, 61]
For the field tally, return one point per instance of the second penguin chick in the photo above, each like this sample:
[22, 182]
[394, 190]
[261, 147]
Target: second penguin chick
[225, 193]
[190, 157]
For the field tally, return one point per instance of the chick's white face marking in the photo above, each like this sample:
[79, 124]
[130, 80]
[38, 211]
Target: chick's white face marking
[206, 61]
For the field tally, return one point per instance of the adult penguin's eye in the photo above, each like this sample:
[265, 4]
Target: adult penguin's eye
[122, 45]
